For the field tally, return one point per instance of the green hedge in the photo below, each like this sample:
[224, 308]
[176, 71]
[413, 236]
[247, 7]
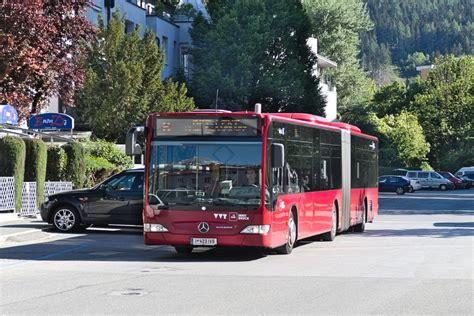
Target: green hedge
[56, 164]
[12, 164]
[98, 169]
[75, 168]
[108, 151]
[35, 166]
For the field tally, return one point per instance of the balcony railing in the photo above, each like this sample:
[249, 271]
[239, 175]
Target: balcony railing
[150, 8]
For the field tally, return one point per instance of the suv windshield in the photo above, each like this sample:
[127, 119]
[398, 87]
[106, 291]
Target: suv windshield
[206, 175]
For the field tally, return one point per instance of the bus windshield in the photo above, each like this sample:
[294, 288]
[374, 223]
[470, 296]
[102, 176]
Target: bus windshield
[206, 175]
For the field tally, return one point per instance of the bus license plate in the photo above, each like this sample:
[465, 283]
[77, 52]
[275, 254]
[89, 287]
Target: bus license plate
[203, 241]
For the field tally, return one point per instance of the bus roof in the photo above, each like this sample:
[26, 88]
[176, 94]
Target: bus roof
[306, 118]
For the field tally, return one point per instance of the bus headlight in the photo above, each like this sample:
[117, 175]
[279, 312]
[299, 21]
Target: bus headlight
[155, 228]
[256, 229]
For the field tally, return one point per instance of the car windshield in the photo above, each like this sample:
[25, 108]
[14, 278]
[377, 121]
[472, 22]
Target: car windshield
[206, 175]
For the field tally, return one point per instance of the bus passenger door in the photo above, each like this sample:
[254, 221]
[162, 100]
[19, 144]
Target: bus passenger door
[346, 180]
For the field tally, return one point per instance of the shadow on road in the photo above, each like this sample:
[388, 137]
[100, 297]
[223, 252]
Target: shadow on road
[461, 224]
[420, 232]
[124, 245]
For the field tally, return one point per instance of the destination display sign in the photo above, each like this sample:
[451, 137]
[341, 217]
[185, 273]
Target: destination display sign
[206, 126]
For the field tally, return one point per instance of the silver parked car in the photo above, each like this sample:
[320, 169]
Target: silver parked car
[430, 180]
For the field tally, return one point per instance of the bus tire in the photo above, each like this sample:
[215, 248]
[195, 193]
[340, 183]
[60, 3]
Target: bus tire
[183, 250]
[287, 248]
[359, 228]
[331, 235]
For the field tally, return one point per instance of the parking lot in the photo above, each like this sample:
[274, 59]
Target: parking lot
[416, 258]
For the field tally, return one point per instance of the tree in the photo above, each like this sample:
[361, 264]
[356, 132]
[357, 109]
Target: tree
[412, 61]
[402, 142]
[424, 26]
[123, 82]
[337, 25]
[445, 107]
[41, 46]
[394, 98]
[254, 52]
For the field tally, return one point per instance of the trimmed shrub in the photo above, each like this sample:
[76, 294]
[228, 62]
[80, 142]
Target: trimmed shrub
[56, 164]
[35, 166]
[98, 169]
[108, 151]
[75, 167]
[12, 164]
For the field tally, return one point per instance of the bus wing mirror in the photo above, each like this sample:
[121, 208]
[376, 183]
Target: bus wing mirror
[131, 146]
[278, 155]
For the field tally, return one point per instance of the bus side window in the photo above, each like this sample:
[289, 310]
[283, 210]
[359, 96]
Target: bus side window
[325, 180]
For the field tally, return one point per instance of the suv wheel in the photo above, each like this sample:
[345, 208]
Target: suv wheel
[443, 187]
[66, 219]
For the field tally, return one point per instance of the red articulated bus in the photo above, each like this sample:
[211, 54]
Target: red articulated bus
[250, 179]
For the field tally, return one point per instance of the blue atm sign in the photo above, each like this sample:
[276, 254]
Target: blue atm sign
[51, 121]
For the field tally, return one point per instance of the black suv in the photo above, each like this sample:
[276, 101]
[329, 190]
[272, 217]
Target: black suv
[117, 200]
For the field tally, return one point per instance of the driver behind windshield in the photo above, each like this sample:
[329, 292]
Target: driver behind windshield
[251, 177]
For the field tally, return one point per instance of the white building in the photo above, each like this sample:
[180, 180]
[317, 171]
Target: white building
[327, 89]
[172, 34]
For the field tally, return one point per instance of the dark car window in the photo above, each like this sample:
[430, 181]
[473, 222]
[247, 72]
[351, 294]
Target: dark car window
[123, 182]
[138, 184]
[393, 180]
[446, 175]
[382, 179]
[411, 174]
[423, 175]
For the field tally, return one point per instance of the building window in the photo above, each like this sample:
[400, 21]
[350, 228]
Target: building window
[129, 26]
[185, 60]
[164, 48]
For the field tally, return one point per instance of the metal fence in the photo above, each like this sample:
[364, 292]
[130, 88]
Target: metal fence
[28, 207]
[28, 199]
[7, 193]
[53, 187]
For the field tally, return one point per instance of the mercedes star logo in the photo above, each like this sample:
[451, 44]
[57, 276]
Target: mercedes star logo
[203, 227]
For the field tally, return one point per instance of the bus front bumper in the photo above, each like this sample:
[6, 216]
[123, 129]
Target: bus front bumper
[240, 240]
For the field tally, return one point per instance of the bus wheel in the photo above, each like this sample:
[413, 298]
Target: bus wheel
[359, 228]
[288, 247]
[331, 235]
[184, 250]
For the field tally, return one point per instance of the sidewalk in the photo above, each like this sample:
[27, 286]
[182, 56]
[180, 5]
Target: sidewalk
[21, 229]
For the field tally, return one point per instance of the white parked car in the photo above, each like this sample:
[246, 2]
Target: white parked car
[415, 184]
[463, 171]
[430, 179]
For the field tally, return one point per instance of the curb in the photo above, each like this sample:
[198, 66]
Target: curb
[26, 236]
[10, 217]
